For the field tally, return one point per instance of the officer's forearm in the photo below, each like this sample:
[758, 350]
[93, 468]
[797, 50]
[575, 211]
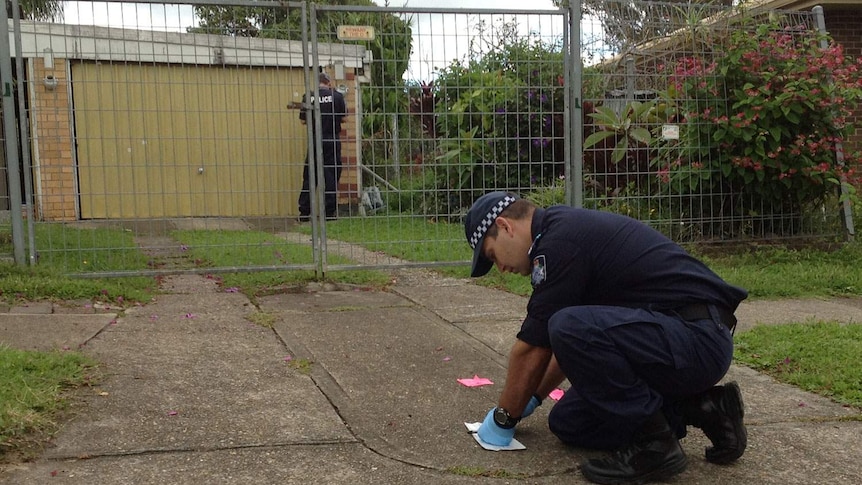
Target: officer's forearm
[527, 368]
[553, 377]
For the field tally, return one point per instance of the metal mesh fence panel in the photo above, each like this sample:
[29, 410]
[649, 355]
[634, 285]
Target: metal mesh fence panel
[166, 136]
[453, 103]
[674, 134]
[175, 140]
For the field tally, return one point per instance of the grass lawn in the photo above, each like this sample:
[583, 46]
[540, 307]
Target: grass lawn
[69, 249]
[820, 357]
[767, 272]
[774, 273]
[221, 248]
[33, 389]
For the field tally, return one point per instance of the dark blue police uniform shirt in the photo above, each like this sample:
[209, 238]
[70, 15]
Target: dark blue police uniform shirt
[588, 257]
[332, 111]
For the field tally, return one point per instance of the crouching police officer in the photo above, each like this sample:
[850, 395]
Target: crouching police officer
[641, 329]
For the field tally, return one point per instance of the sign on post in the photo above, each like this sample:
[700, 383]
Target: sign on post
[355, 32]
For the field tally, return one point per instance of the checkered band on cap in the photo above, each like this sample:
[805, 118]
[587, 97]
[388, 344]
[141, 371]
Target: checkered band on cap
[489, 218]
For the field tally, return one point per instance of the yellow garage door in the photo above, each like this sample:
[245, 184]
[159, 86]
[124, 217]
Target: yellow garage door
[180, 140]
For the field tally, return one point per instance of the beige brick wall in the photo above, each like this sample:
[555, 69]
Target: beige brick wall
[51, 130]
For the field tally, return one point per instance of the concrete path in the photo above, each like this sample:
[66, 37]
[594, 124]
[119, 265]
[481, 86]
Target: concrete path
[360, 387]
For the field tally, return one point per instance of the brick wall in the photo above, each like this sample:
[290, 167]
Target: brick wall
[54, 168]
[844, 24]
[348, 185]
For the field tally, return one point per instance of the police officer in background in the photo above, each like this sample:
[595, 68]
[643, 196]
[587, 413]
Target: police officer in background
[332, 111]
[641, 329]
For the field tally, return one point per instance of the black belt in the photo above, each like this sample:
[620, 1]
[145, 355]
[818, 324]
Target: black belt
[700, 311]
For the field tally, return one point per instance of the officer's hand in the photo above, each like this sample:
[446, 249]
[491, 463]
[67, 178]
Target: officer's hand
[492, 434]
[531, 406]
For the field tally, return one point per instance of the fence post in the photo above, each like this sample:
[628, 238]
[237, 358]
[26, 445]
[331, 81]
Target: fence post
[13, 174]
[574, 71]
[396, 149]
[630, 81]
[846, 209]
[24, 130]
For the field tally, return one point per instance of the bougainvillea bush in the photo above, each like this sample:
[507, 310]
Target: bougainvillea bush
[761, 125]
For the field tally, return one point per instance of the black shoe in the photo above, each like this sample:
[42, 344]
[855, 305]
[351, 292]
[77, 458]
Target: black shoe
[719, 412]
[652, 455]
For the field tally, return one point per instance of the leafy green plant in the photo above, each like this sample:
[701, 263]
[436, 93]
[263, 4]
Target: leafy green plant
[417, 194]
[500, 112]
[476, 152]
[628, 128]
[551, 194]
[771, 146]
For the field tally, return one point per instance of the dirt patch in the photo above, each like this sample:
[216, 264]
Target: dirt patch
[164, 252]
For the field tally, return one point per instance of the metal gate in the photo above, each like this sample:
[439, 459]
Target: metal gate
[166, 137]
[452, 103]
[164, 132]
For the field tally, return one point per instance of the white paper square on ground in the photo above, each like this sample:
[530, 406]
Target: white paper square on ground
[474, 427]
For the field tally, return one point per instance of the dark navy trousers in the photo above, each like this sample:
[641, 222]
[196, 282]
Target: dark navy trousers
[624, 364]
[331, 175]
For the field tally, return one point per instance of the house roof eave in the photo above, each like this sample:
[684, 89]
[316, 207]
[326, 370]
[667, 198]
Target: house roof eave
[90, 42]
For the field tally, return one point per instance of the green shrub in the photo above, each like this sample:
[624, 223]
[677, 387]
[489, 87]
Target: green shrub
[501, 114]
[770, 147]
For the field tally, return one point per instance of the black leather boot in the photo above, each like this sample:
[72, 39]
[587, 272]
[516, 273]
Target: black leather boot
[653, 454]
[719, 412]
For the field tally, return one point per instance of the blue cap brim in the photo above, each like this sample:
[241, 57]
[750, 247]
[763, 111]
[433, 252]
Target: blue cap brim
[481, 264]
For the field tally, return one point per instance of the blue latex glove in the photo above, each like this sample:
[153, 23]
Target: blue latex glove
[492, 434]
[531, 406]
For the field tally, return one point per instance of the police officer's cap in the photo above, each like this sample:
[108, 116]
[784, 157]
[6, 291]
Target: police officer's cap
[480, 218]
